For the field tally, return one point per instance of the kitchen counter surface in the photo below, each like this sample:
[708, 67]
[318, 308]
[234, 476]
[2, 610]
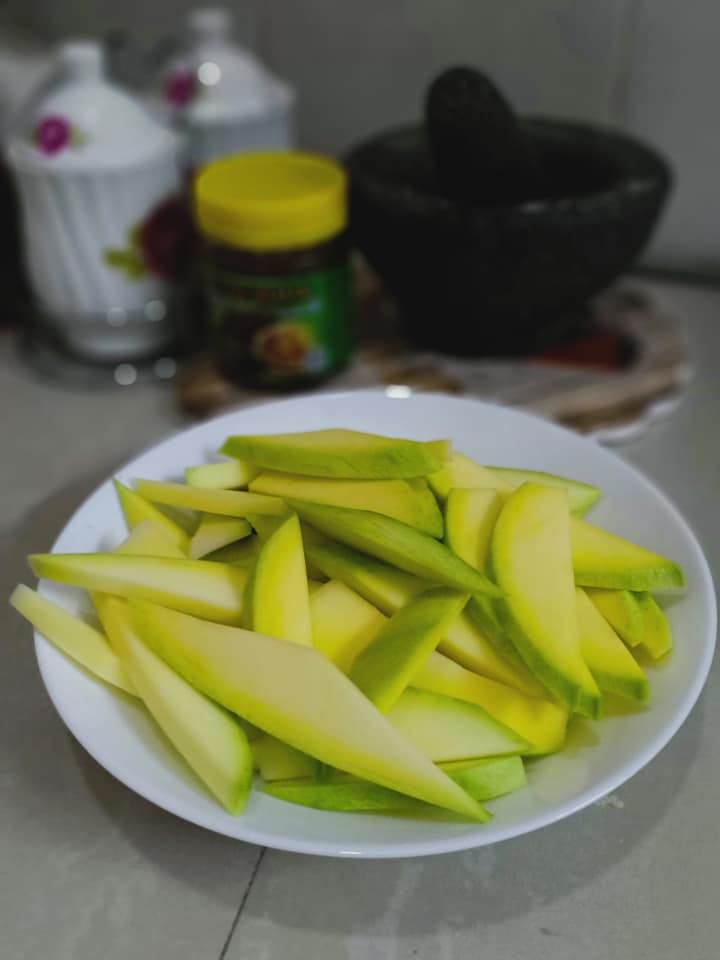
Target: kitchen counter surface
[89, 870]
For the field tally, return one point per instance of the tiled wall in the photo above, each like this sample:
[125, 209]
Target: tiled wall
[649, 65]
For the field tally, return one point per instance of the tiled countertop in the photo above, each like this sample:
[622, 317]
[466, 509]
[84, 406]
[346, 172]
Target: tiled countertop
[89, 871]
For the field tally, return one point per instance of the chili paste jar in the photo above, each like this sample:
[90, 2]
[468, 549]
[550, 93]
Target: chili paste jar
[276, 266]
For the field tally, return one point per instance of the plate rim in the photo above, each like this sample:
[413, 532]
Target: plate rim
[479, 836]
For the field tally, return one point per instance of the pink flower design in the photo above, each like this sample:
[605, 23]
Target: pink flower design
[53, 134]
[180, 87]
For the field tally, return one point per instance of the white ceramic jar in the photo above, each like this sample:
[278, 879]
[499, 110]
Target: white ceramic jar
[102, 224]
[221, 97]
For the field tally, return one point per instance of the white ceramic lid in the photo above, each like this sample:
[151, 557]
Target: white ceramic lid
[79, 121]
[218, 80]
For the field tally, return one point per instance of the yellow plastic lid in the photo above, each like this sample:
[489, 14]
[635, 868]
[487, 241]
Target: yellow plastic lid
[271, 201]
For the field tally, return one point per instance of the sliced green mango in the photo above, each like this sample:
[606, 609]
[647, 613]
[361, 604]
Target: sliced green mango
[388, 589]
[622, 611]
[657, 636]
[210, 590]
[445, 728]
[340, 453]
[581, 496]
[461, 471]
[396, 543]
[490, 778]
[228, 475]
[296, 694]
[347, 796]
[610, 662]
[600, 559]
[276, 760]
[470, 517]
[383, 585]
[279, 602]
[136, 508]
[530, 557]
[229, 503]
[215, 532]
[149, 539]
[387, 665]
[343, 623]
[538, 721]
[211, 740]
[243, 553]
[483, 780]
[73, 636]
[408, 500]
[467, 644]
[264, 526]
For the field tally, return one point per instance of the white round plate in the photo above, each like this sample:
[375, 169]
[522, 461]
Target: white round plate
[117, 732]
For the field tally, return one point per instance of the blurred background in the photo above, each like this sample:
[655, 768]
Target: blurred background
[483, 252]
[357, 67]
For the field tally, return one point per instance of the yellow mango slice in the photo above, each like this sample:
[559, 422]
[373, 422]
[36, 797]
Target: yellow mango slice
[296, 694]
[538, 721]
[229, 503]
[210, 590]
[215, 532]
[75, 638]
[211, 740]
[279, 601]
[343, 623]
[531, 559]
[340, 453]
[610, 662]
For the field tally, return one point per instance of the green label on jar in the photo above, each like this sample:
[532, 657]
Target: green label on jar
[272, 330]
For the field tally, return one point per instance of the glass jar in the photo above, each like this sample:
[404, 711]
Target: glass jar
[276, 266]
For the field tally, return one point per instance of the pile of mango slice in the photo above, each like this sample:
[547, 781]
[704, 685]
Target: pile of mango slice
[370, 623]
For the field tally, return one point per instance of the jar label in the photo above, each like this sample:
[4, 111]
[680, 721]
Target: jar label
[277, 329]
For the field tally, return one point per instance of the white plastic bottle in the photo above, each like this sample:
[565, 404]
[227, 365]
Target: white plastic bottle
[221, 97]
[103, 230]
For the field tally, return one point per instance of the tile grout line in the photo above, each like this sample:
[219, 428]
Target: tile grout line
[241, 907]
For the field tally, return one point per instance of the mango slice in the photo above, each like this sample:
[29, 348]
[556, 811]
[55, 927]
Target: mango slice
[486, 780]
[470, 517]
[387, 665]
[622, 611]
[276, 760]
[210, 590]
[228, 475]
[538, 721]
[340, 453]
[229, 503]
[279, 602]
[445, 728]
[407, 500]
[581, 496]
[296, 694]
[210, 739]
[383, 585]
[530, 556]
[396, 543]
[600, 559]
[462, 471]
[75, 638]
[214, 532]
[343, 623]
[657, 636]
[610, 662]
[388, 589]
[136, 508]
